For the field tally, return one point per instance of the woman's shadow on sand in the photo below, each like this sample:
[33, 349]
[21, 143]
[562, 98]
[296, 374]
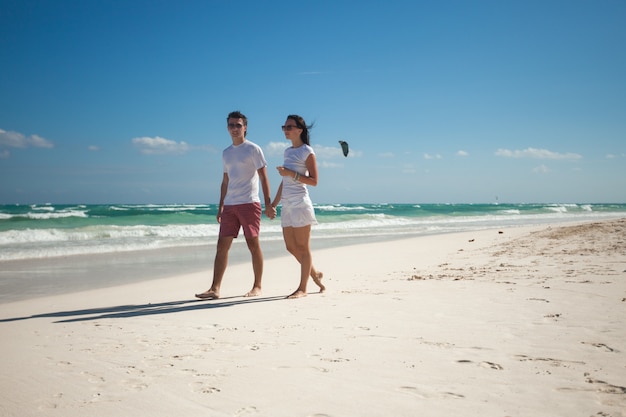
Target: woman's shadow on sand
[126, 311]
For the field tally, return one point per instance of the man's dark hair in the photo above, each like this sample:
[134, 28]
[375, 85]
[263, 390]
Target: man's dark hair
[237, 115]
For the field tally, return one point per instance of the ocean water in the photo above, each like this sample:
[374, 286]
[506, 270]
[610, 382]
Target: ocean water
[29, 232]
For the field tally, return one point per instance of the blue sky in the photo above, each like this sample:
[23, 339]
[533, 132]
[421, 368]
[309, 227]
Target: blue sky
[106, 101]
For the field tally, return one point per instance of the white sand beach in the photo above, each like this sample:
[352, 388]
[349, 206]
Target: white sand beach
[526, 321]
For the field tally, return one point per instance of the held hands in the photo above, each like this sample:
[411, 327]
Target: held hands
[270, 211]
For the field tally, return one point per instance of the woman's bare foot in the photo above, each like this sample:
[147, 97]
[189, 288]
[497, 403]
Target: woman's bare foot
[317, 278]
[208, 295]
[298, 294]
[256, 291]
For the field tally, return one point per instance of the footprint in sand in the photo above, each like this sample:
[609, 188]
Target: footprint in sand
[135, 384]
[601, 346]
[49, 404]
[335, 359]
[93, 379]
[204, 388]
[452, 395]
[538, 299]
[484, 364]
[133, 370]
[246, 411]
[604, 386]
[550, 361]
[491, 365]
[415, 391]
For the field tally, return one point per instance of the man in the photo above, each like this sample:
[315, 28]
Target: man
[240, 206]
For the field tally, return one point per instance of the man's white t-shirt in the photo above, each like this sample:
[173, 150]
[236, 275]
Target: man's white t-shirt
[241, 163]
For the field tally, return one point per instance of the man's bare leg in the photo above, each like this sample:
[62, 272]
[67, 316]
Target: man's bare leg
[257, 266]
[219, 267]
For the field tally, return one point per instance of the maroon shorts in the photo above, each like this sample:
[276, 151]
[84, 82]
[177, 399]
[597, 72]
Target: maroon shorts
[246, 216]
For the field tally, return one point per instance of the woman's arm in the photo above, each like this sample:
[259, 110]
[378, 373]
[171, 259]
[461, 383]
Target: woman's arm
[311, 166]
[279, 195]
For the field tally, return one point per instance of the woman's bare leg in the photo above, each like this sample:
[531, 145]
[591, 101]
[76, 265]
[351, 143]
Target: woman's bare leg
[297, 242]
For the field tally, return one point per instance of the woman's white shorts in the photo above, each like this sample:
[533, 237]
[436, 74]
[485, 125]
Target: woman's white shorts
[297, 213]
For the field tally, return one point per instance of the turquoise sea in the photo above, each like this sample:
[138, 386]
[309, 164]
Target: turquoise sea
[51, 249]
[52, 231]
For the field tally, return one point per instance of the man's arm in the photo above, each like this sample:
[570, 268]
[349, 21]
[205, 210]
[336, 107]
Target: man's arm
[265, 185]
[223, 190]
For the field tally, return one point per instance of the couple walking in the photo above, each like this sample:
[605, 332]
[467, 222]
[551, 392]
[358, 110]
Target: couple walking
[240, 206]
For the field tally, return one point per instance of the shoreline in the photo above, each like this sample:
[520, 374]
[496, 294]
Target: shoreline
[33, 278]
[525, 322]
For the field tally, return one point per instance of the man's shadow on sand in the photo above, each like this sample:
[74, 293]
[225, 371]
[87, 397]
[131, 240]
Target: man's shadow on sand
[126, 311]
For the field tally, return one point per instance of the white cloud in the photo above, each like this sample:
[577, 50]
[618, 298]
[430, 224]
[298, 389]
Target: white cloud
[94, 148]
[160, 146]
[408, 169]
[19, 140]
[536, 154]
[326, 164]
[429, 156]
[462, 153]
[5, 154]
[541, 169]
[276, 148]
[613, 156]
[386, 155]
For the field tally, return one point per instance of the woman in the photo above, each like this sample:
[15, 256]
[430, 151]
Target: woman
[297, 214]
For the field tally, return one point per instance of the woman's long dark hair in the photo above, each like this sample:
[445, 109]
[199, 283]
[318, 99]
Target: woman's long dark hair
[304, 136]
